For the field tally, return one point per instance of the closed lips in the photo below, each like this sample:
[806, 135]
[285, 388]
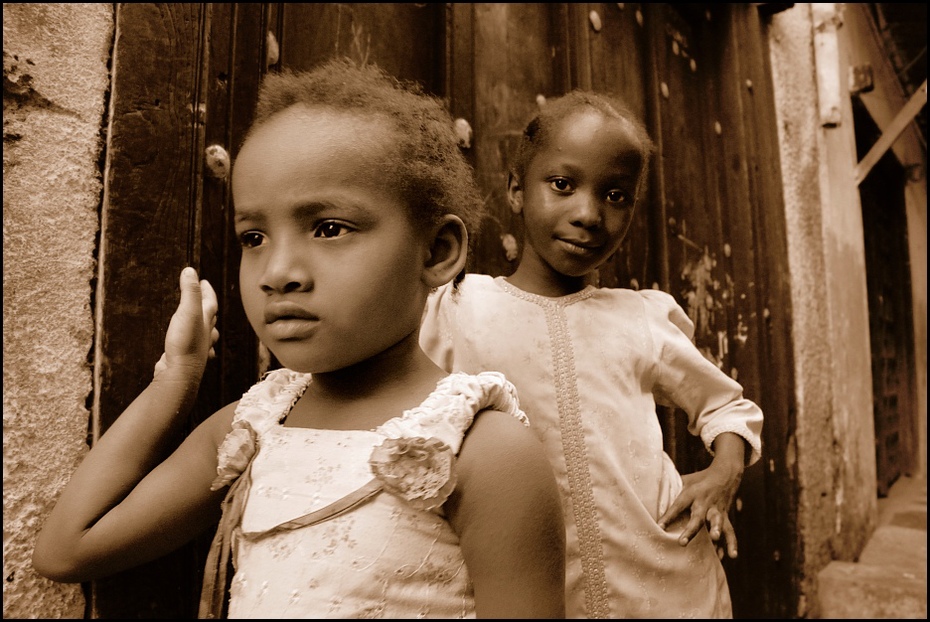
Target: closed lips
[586, 245]
[286, 311]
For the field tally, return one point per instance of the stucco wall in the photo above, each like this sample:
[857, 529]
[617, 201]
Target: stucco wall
[847, 295]
[836, 471]
[56, 78]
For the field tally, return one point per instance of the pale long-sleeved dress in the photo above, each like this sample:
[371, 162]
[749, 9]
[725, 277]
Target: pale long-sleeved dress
[589, 369]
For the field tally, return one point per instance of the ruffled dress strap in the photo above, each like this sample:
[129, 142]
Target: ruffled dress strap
[448, 412]
[416, 460]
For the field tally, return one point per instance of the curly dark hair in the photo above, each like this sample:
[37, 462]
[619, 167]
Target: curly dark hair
[427, 164]
[540, 128]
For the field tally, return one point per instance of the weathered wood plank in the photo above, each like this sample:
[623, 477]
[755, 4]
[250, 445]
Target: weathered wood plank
[149, 231]
[619, 67]
[729, 153]
[512, 67]
[405, 39]
[235, 76]
[770, 487]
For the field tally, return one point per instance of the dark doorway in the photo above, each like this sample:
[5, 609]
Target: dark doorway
[888, 275]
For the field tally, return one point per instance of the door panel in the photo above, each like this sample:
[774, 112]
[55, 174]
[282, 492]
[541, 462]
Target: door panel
[405, 39]
[512, 67]
[151, 223]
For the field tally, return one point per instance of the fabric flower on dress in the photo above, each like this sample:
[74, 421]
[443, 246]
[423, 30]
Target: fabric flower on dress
[416, 469]
[234, 454]
[416, 462]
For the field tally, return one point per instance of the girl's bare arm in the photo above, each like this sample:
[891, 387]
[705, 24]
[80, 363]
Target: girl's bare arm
[123, 506]
[507, 512]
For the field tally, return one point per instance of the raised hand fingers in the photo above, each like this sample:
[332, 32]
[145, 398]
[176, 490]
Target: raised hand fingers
[214, 337]
[209, 306]
[192, 334]
[191, 293]
[209, 303]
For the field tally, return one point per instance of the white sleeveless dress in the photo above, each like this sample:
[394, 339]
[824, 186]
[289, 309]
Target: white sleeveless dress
[390, 554]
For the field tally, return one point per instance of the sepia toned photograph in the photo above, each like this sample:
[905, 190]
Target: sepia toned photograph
[464, 310]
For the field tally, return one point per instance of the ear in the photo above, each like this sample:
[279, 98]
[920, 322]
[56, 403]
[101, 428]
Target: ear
[514, 193]
[448, 251]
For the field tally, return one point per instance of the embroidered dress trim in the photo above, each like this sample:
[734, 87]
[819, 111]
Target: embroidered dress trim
[573, 444]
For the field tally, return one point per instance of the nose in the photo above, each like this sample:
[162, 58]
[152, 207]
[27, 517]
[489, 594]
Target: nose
[285, 270]
[586, 211]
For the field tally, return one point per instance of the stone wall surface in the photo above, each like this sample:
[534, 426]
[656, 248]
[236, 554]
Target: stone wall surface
[55, 86]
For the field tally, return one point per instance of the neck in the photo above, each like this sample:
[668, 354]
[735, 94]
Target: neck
[544, 281]
[370, 392]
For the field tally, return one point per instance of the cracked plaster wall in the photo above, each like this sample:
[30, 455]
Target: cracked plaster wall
[55, 83]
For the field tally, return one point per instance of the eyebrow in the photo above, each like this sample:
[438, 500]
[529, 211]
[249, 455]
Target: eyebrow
[570, 170]
[300, 212]
[243, 215]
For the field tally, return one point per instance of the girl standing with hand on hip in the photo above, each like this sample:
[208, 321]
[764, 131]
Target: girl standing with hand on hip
[591, 364]
[359, 480]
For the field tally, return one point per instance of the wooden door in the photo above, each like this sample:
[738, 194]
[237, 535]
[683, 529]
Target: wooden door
[185, 77]
[710, 231]
[723, 255]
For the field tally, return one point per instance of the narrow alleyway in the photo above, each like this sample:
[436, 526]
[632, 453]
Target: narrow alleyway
[890, 578]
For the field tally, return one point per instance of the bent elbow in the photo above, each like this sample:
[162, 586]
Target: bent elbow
[54, 565]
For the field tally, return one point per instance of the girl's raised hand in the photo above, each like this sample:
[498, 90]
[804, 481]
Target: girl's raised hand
[192, 332]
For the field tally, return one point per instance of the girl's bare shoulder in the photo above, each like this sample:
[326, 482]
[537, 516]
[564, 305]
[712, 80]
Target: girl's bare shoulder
[501, 455]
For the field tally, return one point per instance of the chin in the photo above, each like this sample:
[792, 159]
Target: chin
[578, 273]
[303, 365]
[295, 362]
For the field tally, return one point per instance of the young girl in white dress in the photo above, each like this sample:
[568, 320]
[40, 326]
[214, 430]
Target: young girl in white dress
[591, 363]
[360, 479]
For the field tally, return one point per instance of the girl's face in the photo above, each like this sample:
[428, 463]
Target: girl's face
[577, 201]
[331, 270]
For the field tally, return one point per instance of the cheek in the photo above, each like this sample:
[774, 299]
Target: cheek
[249, 292]
[541, 218]
[621, 222]
[399, 278]
[246, 279]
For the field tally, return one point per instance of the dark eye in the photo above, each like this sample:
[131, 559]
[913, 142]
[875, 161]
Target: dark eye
[330, 229]
[251, 239]
[560, 184]
[617, 197]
